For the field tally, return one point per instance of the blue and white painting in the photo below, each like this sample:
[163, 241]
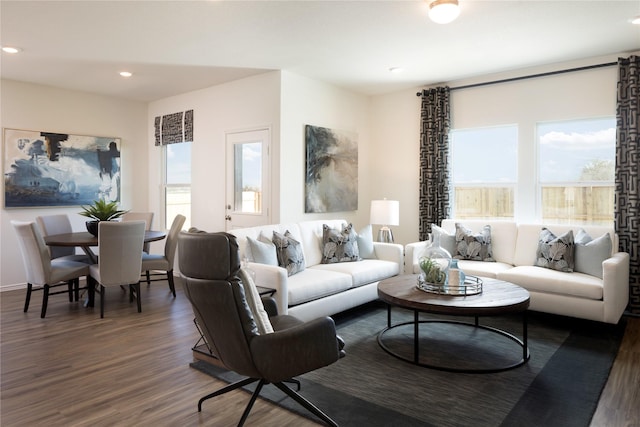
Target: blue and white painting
[43, 169]
[332, 170]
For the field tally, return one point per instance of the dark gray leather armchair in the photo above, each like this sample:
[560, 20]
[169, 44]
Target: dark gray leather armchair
[210, 263]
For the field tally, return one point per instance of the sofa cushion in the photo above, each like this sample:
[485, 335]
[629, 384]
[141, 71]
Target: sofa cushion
[289, 252]
[262, 250]
[311, 284]
[555, 252]
[363, 272]
[590, 253]
[365, 243]
[482, 269]
[339, 245]
[473, 246]
[447, 240]
[503, 236]
[539, 279]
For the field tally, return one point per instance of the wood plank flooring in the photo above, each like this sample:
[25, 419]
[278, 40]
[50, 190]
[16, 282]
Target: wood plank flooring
[74, 369]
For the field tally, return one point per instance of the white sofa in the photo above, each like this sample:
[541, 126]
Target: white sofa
[571, 294]
[320, 289]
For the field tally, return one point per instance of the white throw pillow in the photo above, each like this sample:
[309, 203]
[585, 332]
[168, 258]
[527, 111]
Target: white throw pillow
[365, 243]
[263, 250]
[255, 303]
[590, 253]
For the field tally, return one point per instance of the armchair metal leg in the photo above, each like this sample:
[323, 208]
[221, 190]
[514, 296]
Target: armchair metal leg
[226, 389]
[308, 405]
[254, 396]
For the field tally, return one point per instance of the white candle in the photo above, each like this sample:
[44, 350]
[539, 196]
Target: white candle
[454, 279]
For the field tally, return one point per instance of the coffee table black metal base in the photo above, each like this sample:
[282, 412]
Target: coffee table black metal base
[416, 343]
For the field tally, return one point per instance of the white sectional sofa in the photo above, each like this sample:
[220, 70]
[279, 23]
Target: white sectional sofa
[320, 289]
[574, 294]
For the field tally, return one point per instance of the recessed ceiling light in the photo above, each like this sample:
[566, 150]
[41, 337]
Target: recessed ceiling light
[125, 74]
[10, 49]
[396, 70]
[635, 20]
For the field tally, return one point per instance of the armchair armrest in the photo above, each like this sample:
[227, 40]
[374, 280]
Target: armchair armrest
[390, 252]
[297, 350]
[272, 276]
[615, 286]
[411, 255]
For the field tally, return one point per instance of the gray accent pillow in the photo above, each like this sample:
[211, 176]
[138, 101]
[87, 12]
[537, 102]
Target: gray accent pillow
[365, 243]
[289, 252]
[475, 247]
[447, 241]
[554, 252]
[590, 253]
[339, 245]
[263, 250]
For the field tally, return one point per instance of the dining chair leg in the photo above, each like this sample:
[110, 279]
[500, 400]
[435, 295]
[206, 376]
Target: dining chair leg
[77, 289]
[45, 300]
[28, 297]
[101, 301]
[148, 278]
[135, 288]
[70, 287]
[172, 285]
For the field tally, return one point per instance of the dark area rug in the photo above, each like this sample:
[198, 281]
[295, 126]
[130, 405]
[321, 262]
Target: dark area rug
[559, 386]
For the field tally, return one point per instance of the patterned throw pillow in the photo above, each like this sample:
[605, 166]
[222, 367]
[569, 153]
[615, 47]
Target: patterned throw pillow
[476, 247]
[554, 252]
[590, 253]
[289, 252]
[339, 245]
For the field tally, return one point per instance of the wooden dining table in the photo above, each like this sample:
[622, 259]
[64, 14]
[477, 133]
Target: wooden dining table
[86, 241]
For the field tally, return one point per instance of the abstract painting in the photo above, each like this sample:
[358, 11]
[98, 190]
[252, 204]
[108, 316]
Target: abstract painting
[44, 169]
[332, 170]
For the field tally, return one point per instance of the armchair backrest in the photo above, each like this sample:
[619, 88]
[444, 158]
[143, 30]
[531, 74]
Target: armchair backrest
[209, 263]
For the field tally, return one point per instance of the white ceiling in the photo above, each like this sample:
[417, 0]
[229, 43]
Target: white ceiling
[174, 47]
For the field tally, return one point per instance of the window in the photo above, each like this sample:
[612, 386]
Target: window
[177, 182]
[576, 171]
[484, 172]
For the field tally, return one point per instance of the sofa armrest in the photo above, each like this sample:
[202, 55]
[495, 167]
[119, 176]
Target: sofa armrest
[390, 252]
[411, 254]
[272, 276]
[615, 283]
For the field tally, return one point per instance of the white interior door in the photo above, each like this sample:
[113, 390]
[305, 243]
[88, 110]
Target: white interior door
[248, 189]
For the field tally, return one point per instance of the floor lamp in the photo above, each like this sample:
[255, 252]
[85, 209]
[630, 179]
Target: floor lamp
[385, 213]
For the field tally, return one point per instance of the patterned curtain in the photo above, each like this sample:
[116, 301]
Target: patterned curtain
[627, 184]
[434, 159]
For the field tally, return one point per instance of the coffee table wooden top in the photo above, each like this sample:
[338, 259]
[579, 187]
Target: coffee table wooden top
[497, 297]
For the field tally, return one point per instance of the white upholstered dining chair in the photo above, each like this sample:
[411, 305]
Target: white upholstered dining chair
[163, 264]
[147, 217]
[60, 224]
[120, 260]
[44, 272]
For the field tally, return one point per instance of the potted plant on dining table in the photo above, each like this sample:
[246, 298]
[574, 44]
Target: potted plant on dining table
[100, 210]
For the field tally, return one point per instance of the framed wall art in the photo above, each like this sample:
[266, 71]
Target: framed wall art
[45, 169]
[331, 170]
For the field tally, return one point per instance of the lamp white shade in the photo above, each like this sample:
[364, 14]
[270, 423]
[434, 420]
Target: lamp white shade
[385, 212]
[444, 11]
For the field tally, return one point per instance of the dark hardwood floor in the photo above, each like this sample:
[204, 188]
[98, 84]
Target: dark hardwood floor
[74, 369]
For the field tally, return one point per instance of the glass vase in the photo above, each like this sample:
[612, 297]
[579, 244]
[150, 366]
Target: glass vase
[435, 262]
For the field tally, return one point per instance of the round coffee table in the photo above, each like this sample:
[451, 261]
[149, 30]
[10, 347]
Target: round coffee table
[497, 298]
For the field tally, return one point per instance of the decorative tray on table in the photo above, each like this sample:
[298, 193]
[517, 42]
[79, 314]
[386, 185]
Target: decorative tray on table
[472, 286]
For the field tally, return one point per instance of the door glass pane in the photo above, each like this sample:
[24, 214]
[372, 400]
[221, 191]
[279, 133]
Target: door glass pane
[248, 177]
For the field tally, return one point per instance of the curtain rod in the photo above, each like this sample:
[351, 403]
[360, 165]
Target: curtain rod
[531, 76]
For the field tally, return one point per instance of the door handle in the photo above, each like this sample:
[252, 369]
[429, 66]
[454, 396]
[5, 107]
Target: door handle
[227, 217]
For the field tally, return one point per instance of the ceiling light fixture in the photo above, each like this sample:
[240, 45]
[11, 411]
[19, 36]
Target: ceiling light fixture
[396, 70]
[444, 11]
[125, 74]
[9, 49]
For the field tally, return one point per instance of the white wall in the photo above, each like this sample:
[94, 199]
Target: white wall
[42, 108]
[395, 126]
[310, 102]
[239, 105]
